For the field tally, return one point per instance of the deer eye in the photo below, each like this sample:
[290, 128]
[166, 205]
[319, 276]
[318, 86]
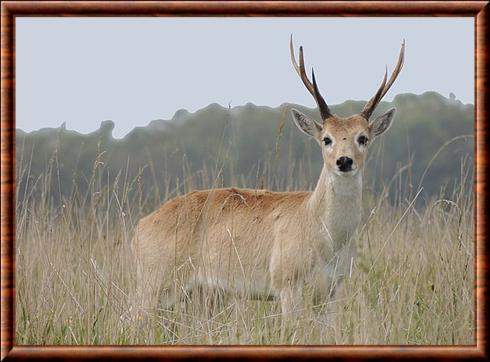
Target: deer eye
[362, 140]
[327, 141]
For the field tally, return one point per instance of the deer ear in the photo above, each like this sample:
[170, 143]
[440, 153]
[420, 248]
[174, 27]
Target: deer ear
[382, 123]
[306, 124]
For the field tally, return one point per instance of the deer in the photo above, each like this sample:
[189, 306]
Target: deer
[261, 243]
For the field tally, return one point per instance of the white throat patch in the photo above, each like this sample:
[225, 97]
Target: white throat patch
[345, 185]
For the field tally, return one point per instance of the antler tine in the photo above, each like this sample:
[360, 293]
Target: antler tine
[322, 105]
[397, 69]
[312, 87]
[383, 89]
[299, 69]
[373, 102]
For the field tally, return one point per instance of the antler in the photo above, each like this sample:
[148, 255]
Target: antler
[312, 87]
[373, 102]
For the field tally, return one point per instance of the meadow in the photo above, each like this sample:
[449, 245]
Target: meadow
[413, 281]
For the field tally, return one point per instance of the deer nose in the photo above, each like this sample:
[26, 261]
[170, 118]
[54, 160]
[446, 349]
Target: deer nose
[344, 164]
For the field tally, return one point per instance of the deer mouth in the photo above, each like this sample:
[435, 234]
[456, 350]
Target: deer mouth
[347, 172]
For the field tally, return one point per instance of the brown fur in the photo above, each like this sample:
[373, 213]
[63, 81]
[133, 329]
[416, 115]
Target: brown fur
[203, 230]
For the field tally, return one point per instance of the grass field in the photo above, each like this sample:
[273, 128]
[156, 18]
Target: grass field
[413, 282]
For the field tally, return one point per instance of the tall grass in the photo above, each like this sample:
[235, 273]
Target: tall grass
[413, 282]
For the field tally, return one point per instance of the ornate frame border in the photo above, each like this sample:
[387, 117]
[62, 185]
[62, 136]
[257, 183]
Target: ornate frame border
[10, 10]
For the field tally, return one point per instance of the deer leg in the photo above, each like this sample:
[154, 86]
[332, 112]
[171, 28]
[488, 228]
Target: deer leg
[144, 301]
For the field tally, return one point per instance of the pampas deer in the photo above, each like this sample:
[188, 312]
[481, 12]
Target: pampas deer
[263, 243]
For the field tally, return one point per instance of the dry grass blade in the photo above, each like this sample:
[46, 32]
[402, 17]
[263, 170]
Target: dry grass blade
[412, 283]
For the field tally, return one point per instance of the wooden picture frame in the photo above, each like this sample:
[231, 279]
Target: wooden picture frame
[479, 10]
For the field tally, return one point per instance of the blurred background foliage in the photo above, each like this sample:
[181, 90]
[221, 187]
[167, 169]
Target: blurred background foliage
[248, 146]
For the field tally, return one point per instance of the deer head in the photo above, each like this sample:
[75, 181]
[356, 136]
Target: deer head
[344, 141]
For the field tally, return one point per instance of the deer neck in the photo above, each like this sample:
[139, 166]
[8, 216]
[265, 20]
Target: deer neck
[332, 188]
[335, 204]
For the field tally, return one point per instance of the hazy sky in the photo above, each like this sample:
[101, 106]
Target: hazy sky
[133, 70]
